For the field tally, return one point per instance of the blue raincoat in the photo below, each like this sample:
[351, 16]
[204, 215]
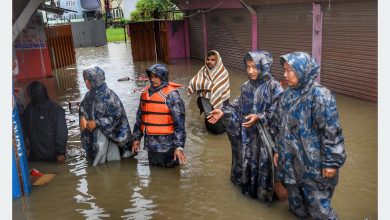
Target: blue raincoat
[104, 106]
[308, 138]
[251, 163]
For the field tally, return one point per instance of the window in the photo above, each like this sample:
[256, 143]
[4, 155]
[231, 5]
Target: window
[117, 13]
[70, 3]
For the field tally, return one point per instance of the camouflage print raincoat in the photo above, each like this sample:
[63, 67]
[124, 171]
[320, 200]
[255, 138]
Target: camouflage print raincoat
[104, 106]
[251, 163]
[308, 138]
[164, 143]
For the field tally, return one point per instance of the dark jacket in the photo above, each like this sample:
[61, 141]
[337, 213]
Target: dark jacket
[45, 125]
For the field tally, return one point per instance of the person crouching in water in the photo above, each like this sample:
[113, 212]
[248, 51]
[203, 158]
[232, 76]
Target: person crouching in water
[212, 88]
[309, 139]
[161, 120]
[105, 130]
[247, 121]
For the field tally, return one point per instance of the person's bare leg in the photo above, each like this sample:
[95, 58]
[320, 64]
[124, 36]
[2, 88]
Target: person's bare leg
[280, 191]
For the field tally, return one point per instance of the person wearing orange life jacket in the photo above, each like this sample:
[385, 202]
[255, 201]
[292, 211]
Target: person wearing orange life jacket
[161, 120]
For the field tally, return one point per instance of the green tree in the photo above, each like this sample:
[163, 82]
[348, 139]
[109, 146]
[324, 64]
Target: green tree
[147, 10]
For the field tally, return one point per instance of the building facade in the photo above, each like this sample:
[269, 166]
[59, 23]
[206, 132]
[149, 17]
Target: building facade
[341, 35]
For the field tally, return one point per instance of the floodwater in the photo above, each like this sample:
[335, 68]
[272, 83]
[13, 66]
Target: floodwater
[131, 189]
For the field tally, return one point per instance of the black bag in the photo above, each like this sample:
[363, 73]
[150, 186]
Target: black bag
[217, 128]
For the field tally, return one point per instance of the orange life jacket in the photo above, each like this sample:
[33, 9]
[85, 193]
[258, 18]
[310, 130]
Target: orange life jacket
[156, 116]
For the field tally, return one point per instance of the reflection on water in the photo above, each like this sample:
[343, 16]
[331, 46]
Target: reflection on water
[131, 189]
[78, 164]
[142, 208]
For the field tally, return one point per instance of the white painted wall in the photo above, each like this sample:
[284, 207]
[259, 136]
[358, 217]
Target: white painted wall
[76, 7]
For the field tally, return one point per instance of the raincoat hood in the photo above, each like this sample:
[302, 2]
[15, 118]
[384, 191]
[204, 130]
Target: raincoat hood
[263, 61]
[304, 66]
[162, 72]
[95, 75]
[37, 92]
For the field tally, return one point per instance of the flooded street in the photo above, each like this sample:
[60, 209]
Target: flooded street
[131, 189]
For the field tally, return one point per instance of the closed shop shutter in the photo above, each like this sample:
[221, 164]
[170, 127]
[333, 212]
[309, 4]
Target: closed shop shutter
[283, 29]
[196, 36]
[349, 50]
[229, 33]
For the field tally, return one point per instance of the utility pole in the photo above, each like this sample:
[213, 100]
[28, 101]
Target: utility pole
[108, 11]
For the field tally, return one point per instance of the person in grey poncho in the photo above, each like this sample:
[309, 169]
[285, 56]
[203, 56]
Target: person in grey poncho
[103, 121]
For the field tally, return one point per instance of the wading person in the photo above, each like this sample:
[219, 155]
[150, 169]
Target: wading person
[45, 126]
[105, 130]
[247, 121]
[309, 139]
[160, 120]
[212, 88]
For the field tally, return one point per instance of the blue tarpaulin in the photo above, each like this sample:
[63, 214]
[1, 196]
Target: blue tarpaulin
[21, 183]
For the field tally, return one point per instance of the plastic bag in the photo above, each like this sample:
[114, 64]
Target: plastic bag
[104, 149]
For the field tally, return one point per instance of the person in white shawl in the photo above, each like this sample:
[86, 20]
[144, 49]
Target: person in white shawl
[212, 88]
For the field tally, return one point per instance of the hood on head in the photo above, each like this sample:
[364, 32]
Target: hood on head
[303, 65]
[263, 61]
[95, 75]
[37, 92]
[160, 70]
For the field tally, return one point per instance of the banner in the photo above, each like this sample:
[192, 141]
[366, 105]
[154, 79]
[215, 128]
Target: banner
[33, 35]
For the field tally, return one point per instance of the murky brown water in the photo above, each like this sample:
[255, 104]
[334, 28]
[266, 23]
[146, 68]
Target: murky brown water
[131, 189]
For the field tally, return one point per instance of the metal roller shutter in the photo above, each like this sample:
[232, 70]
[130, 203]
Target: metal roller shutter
[196, 36]
[284, 29]
[229, 33]
[349, 50]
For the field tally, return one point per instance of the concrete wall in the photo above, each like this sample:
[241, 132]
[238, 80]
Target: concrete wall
[89, 33]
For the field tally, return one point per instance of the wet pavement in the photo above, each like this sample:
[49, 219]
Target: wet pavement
[131, 189]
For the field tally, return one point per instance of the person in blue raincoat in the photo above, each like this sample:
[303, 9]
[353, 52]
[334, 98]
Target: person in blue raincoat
[161, 120]
[309, 140]
[103, 121]
[247, 121]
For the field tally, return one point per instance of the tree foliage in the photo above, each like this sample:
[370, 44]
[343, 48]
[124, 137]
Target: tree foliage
[147, 10]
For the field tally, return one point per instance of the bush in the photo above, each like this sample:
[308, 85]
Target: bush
[147, 10]
[123, 21]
